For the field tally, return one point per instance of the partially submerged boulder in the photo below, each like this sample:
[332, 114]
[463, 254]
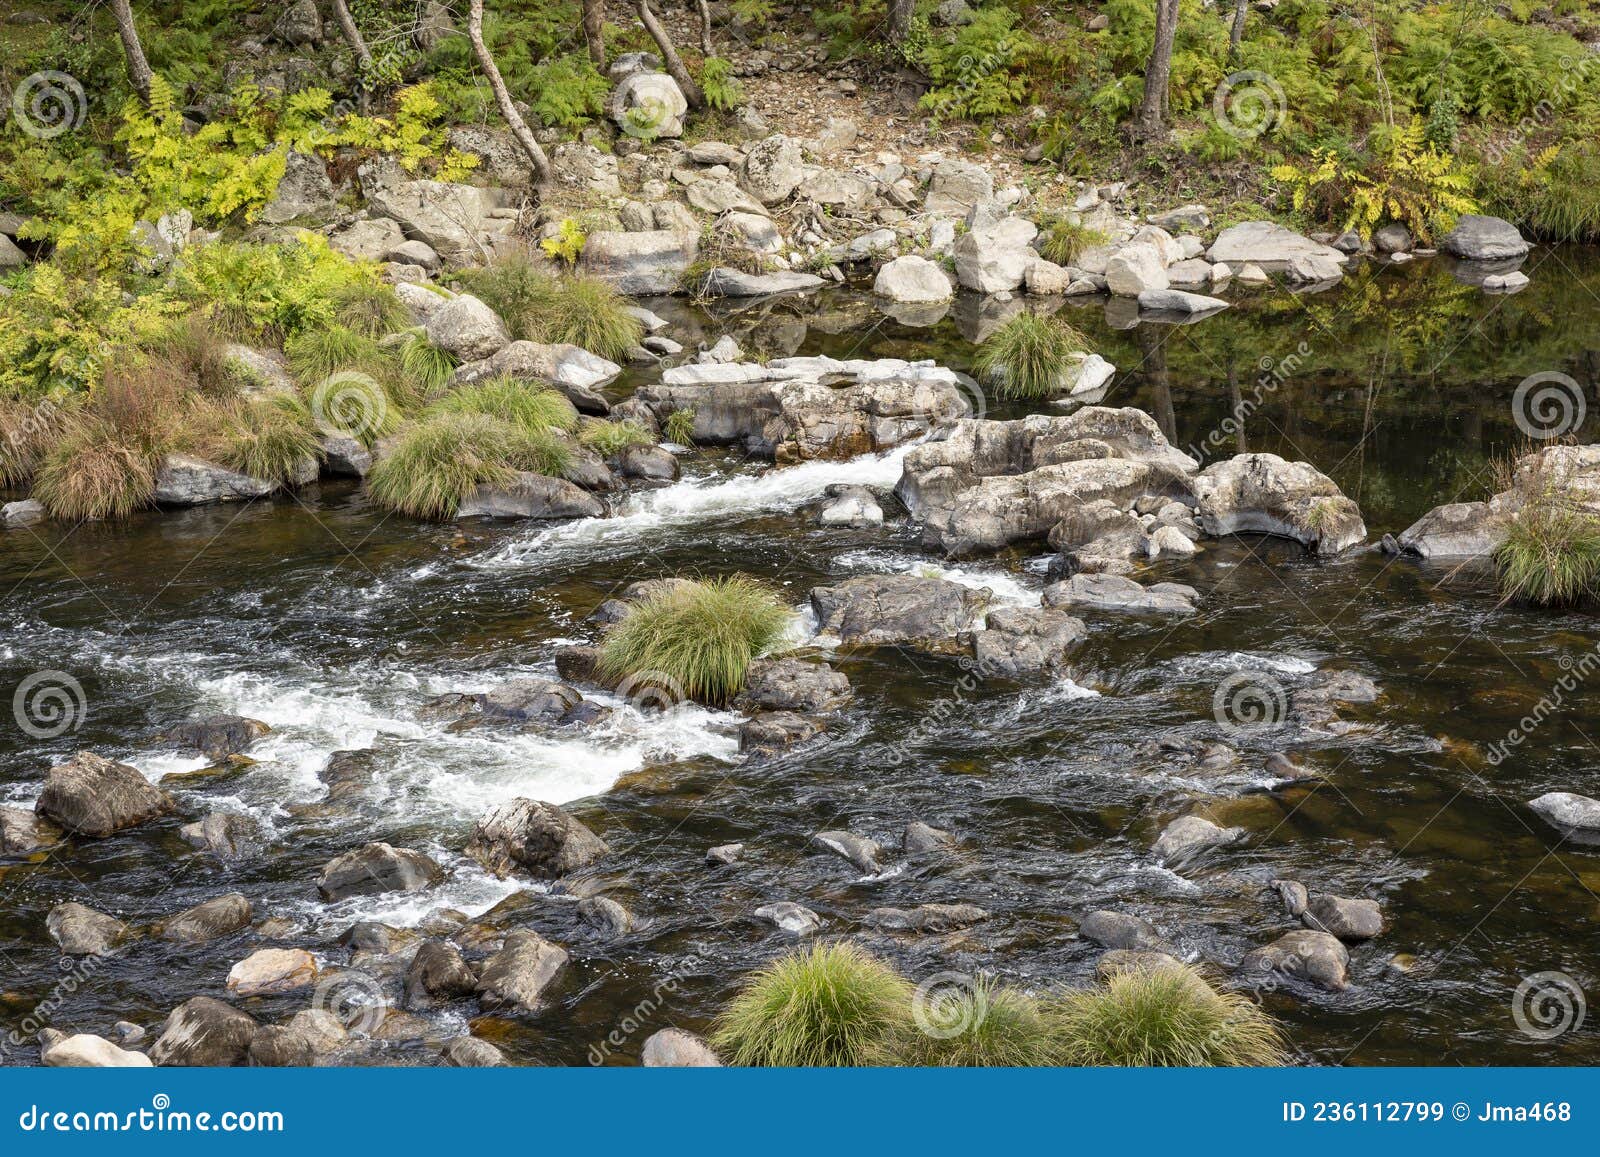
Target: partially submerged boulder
[376, 868]
[215, 736]
[1264, 494]
[536, 837]
[518, 976]
[880, 610]
[92, 796]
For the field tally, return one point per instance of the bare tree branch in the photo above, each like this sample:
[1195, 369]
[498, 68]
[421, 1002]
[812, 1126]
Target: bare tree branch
[705, 28]
[669, 55]
[502, 96]
[138, 67]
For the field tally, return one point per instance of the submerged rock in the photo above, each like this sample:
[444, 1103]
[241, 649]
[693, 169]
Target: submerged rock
[921, 837]
[1564, 809]
[308, 1036]
[215, 736]
[1113, 592]
[79, 930]
[1348, 919]
[208, 920]
[531, 496]
[92, 796]
[926, 918]
[1021, 641]
[22, 832]
[1120, 930]
[862, 852]
[790, 917]
[468, 1052]
[537, 837]
[1188, 836]
[772, 731]
[1317, 957]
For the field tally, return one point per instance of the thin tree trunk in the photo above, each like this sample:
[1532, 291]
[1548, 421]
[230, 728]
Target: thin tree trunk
[502, 96]
[594, 32]
[138, 67]
[705, 28]
[1158, 73]
[358, 45]
[1241, 9]
[900, 12]
[670, 57]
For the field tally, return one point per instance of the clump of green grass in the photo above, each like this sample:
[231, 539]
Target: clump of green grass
[588, 312]
[440, 461]
[534, 408]
[1063, 241]
[517, 287]
[1163, 1016]
[608, 439]
[95, 471]
[27, 432]
[984, 1024]
[424, 364]
[679, 426]
[700, 636]
[1029, 356]
[193, 348]
[315, 353]
[1550, 556]
[369, 308]
[271, 437]
[829, 1005]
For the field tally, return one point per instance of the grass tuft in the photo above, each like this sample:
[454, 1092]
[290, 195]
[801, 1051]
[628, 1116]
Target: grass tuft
[1029, 356]
[989, 1025]
[1164, 1016]
[424, 364]
[608, 439]
[588, 312]
[1550, 556]
[1063, 241]
[534, 408]
[679, 427]
[94, 472]
[439, 461]
[315, 353]
[271, 437]
[830, 1005]
[700, 636]
[369, 308]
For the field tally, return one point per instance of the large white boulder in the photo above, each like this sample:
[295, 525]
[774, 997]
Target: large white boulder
[913, 280]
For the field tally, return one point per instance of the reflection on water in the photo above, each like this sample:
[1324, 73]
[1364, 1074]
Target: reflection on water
[332, 623]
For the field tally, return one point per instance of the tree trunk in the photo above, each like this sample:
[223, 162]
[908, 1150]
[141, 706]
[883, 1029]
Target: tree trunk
[705, 28]
[670, 57]
[1157, 74]
[138, 67]
[502, 96]
[900, 13]
[1241, 9]
[358, 45]
[594, 32]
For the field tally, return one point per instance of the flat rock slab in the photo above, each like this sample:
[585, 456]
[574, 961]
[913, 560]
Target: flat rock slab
[1113, 592]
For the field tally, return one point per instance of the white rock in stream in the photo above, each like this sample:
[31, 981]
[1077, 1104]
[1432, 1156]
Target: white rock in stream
[1564, 809]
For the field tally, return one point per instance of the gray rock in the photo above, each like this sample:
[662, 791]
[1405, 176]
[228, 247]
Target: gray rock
[1183, 217]
[793, 685]
[652, 262]
[1313, 269]
[772, 169]
[22, 832]
[92, 796]
[305, 190]
[914, 280]
[344, 457]
[537, 837]
[216, 917]
[1566, 810]
[1121, 930]
[672, 1048]
[880, 610]
[1306, 955]
[926, 918]
[1348, 919]
[86, 1051]
[308, 1036]
[299, 23]
[438, 971]
[1506, 282]
[184, 480]
[26, 512]
[1177, 301]
[1136, 269]
[995, 258]
[467, 329]
[605, 915]
[725, 282]
[215, 736]
[1188, 837]
[853, 506]
[648, 105]
[1262, 493]
[10, 256]
[1456, 530]
[1266, 245]
[1113, 592]
[205, 1032]
[369, 240]
[921, 837]
[377, 868]
[790, 917]
[724, 854]
[715, 197]
[81, 931]
[468, 1052]
[531, 496]
[1479, 238]
[957, 186]
[772, 731]
[529, 700]
[862, 852]
[1392, 239]
[449, 217]
[519, 975]
[648, 463]
[1022, 641]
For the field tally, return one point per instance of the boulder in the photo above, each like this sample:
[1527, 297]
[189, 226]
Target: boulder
[1262, 493]
[344, 457]
[936, 918]
[467, 329]
[438, 970]
[449, 217]
[372, 239]
[914, 280]
[1114, 592]
[308, 1036]
[272, 970]
[1506, 282]
[529, 700]
[1313, 269]
[573, 370]
[921, 837]
[648, 464]
[531, 496]
[377, 868]
[468, 1052]
[79, 930]
[92, 796]
[1187, 837]
[1266, 245]
[862, 852]
[10, 256]
[24, 512]
[793, 685]
[535, 837]
[303, 192]
[995, 258]
[1566, 810]
[1479, 238]
[1348, 919]
[300, 23]
[754, 231]
[518, 976]
[854, 506]
[725, 282]
[715, 197]
[1121, 930]
[648, 105]
[205, 1032]
[790, 917]
[1135, 269]
[672, 1048]
[772, 169]
[772, 731]
[724, 854]
[219, 916]
[1305, 955]
[184, 480]
[87, 1051]
[1022, 641]
[215, 736]
[1392, 239]
[880, 610]
[957, 186]
[23, 832]
[1456, 530]
[1176, 301]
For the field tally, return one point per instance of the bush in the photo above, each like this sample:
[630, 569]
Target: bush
[829, 1005]
[270, 437]
[95, 472]
[1550, 556]
[608, 439]
[316, 353]
[531, 407]
[1164, 1016]
[698, 637]
[588, 312]
[194, 349]
[440, 461]
[1029, 356]
[989, 1025]
[679, 426]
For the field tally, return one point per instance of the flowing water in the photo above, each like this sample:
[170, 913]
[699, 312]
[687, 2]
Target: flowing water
[332, 623]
